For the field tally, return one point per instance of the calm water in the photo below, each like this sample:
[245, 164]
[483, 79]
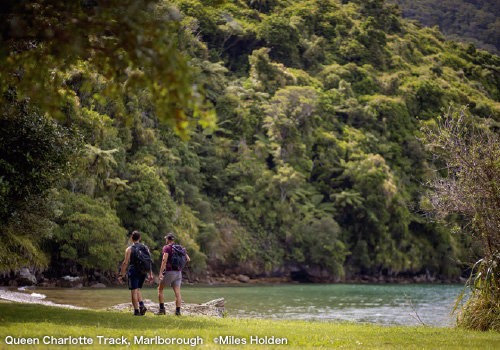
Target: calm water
[378, 304]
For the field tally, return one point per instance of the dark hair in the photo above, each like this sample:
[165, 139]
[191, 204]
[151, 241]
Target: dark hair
[170, 237]
[136, 235]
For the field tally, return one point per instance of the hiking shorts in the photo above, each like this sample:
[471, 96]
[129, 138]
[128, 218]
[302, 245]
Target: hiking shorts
[135, 279]
[172, 278]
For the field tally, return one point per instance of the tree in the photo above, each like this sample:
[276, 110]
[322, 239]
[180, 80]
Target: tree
[24, 233]
[287, 179]
[266, 75]
[131, 41]
[281, 38]
[100, 162]
[470, 187]
[289, 115]
[89, 232]
[146, 205]
[35, 154]
[321, 238]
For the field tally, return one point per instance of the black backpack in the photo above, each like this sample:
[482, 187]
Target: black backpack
[141, 258]
[178, 260]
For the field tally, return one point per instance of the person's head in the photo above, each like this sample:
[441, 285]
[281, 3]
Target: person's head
[170, 238]
[136, 236]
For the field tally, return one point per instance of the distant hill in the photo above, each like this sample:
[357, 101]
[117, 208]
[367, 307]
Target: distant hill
[470, 21]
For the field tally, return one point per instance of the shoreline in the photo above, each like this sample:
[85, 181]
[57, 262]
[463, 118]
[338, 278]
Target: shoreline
[214, 308]
[260, 281]
[355, 280]
[104, 279]
[18, 297]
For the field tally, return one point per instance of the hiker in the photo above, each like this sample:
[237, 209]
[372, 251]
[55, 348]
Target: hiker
[140, 265]
[174, 259]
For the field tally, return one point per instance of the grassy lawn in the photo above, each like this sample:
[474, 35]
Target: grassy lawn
[36, 321]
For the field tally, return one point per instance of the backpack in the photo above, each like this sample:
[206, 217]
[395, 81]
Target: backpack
[178, 260]
[141, 259]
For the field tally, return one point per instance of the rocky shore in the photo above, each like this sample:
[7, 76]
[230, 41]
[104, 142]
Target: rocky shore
[96, 279]
[361, 279]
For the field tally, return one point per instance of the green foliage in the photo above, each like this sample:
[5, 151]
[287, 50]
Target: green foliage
[36, 153]
[267, 76]
[89, 232]
[423, 98]
[482, 29]
[289, 114]
[186, 225]
[26, 231]
[287, 180]
[315, 142]
[146, 205]
[393, 117]
[122, 40]
[323, 246]
[281, 38]
[481, 310]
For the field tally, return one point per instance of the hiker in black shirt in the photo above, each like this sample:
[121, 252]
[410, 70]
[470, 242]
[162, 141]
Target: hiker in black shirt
[135, 277]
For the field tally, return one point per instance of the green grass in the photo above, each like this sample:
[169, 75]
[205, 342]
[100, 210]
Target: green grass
[36, 321]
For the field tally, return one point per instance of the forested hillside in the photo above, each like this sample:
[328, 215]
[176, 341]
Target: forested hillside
[313, 168]
[468, 21]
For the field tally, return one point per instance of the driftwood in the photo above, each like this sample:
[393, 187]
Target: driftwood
[213, 308]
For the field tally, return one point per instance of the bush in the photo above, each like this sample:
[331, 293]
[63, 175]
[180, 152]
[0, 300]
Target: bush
[89, 232]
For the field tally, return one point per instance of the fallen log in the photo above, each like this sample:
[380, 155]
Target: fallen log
[214, 308]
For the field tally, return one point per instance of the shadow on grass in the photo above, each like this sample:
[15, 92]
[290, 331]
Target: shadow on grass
[28, 313]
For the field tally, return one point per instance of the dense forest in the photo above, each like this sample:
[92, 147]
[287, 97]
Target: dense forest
[313, 167]
[469, 21]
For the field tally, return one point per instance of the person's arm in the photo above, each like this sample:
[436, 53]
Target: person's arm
[124, 264]
[163, 262]
[150, 277]
[187, 258]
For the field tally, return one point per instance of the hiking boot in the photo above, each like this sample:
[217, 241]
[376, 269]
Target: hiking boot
[177, 313]
[160, 312]
[142, 310]
[138, 313]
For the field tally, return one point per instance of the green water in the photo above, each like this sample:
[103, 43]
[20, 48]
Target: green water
[379, 304]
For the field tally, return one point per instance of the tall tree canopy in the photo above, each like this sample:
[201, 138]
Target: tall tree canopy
[132, 44]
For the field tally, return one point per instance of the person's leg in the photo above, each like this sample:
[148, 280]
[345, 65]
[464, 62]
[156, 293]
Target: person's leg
[177, 292]
[142, 307]
[161, 299]
[176, 286]
[133, 286]
[140, 282]
[135, 302]
[178, 300]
